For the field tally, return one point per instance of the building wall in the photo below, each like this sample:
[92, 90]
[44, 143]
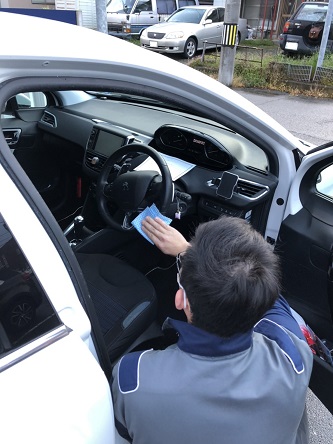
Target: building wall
[29, 4]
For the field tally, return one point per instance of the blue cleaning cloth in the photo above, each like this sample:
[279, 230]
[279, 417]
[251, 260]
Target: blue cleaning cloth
[153, 212]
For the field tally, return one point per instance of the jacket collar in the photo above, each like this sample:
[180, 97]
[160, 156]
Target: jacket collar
[199, 342]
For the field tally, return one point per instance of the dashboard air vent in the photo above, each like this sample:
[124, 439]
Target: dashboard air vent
[49, 119]
[250, 190]
[92, 164]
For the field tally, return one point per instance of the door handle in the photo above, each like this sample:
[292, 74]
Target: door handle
[12, 136]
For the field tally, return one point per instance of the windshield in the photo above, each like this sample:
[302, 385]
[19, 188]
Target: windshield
[124, 6]
[187, 15]
[312, 13]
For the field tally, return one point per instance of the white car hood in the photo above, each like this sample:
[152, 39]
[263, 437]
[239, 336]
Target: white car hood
[167, 27]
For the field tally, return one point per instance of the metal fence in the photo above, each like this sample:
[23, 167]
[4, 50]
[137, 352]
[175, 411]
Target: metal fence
[323, 75]
[299, 73]
[244, 53]
[250, 54]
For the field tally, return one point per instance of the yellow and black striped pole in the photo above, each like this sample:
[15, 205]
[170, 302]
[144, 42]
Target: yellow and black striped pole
[229, 34]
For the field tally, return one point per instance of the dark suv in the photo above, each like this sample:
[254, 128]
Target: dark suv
[303, 32]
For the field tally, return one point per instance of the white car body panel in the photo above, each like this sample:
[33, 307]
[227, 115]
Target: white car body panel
[62, 360]
[294, 204]
[49, 378]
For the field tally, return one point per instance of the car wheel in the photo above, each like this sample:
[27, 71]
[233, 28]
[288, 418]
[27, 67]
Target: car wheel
[20, 314]
[190, 48]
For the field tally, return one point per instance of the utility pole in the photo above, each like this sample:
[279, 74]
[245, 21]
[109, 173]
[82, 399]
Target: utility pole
[229, 36]
[101, 16]
[326, 31]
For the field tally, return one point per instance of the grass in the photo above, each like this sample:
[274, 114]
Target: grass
[256, 66]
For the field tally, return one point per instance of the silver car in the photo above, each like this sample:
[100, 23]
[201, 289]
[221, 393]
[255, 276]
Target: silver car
[186, 30]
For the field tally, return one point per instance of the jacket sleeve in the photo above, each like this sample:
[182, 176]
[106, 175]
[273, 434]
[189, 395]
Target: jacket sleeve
[125, 386]
[281, 314]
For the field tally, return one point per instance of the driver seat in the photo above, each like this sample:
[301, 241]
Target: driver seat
[124, 300]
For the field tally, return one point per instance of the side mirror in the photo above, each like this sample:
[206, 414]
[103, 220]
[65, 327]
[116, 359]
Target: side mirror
[208, 22]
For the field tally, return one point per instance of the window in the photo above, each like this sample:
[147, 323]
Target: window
[187, 16]
[221, 14]
[25, 311]
[325, 182]
[166, 6]
[213, 16]
[312, 13]
[24, 101]
[143, 5]
[186, 3]
[31, 100]
[41, 2]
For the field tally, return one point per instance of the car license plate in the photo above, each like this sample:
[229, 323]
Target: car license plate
[153, 44]
[292, 46]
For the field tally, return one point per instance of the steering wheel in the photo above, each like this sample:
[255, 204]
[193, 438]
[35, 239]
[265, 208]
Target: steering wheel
[129, 190]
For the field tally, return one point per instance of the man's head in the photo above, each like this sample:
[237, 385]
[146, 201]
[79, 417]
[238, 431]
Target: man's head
[230, 275]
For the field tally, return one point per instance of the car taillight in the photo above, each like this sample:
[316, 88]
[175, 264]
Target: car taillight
[286, 27]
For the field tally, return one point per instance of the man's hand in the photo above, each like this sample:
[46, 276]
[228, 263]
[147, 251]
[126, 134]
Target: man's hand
[166, 238]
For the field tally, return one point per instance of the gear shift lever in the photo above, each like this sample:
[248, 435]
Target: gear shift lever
[78, 228]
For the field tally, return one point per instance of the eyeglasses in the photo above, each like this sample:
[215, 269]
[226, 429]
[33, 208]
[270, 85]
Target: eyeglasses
[179, 265]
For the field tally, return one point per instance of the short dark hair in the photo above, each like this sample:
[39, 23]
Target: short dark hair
[230, 275]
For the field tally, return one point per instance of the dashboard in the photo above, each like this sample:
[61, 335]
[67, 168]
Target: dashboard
[226, 174]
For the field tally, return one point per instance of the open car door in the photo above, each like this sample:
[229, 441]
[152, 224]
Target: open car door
[305, 245]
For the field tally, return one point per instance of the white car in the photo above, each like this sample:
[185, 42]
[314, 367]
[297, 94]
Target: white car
[188, 29]
[108, 130]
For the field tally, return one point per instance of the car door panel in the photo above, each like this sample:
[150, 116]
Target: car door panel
[305, 247]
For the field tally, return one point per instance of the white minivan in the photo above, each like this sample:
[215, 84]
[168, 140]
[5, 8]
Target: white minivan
[130, 18]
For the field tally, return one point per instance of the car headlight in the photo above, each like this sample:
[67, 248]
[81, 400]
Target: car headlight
[175, 35]
[144, 33]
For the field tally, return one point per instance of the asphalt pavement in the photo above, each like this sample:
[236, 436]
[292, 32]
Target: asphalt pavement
[307, 118]
[310, 119]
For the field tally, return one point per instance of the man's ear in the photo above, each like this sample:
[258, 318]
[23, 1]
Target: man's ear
[179, 299]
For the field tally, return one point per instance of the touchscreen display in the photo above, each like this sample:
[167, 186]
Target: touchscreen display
[108, 143]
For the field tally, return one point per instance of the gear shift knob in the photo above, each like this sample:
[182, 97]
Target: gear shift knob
[78, 227]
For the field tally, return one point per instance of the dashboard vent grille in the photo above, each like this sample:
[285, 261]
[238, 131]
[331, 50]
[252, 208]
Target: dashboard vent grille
[250, 190]
[49, 119]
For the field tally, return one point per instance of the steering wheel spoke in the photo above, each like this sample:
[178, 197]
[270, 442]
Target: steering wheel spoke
[127, 221]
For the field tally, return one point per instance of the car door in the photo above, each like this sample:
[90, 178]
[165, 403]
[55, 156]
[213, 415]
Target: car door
[52, 386]
[305, 245]
[211, 32]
